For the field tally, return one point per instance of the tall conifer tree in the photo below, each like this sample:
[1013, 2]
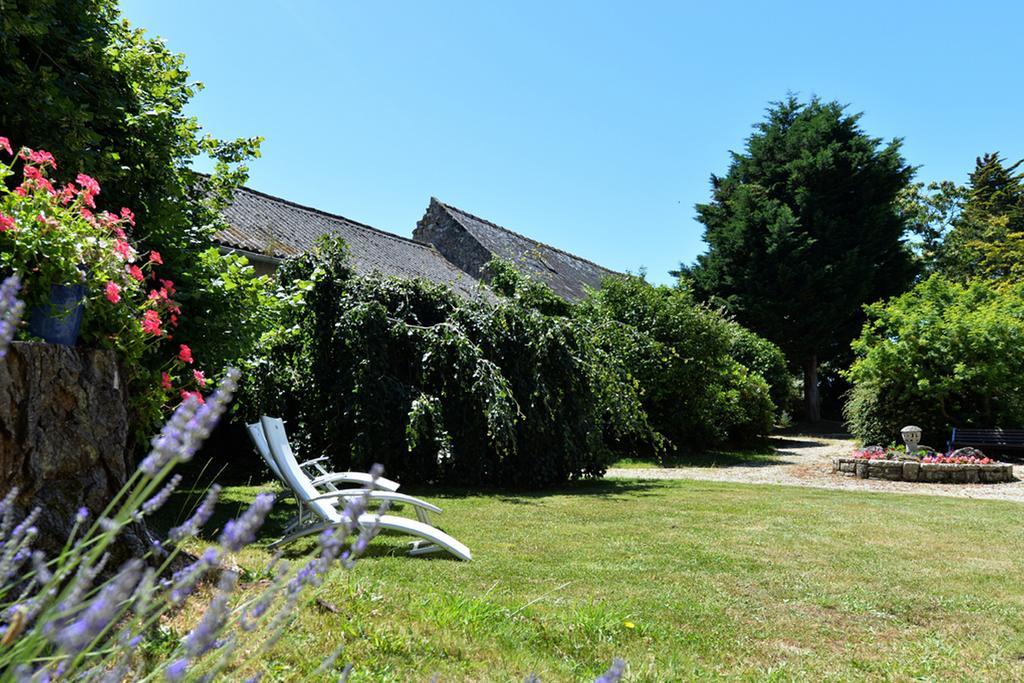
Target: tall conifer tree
[803, 230]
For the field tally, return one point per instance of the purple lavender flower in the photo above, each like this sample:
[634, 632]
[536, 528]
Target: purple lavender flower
[82, 515]
[240, 532]
[11, 309]
[202, 514]
[161, 497]
[176, 670]
[7, 510]
[185, 579]
[43, 574]
[101, 610]
[203, 637]
[613, 674]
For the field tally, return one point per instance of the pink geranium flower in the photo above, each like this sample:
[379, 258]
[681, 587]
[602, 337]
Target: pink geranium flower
[165, 381]
[67, 193]
[90, 188]
[123, 249]
[113, 292]
[200, 377]
[136, 273]
[151, 323]
[42, 157]
[6, 222]
[5, 144]
[127, 215]
[185, 354]
[155, 257]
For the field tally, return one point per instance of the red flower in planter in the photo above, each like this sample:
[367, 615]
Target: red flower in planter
[6, 222]
[151, 323]
[136, 273]
[185, 354]
[113, 292]
[154, 256]
[165, 381]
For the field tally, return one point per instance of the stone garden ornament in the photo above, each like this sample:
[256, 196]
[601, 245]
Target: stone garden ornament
[911, 437]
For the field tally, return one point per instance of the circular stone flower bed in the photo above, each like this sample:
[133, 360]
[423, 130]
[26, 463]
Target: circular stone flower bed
[912, 470]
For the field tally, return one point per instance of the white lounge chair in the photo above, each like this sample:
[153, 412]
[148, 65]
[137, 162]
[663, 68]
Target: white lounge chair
[326, 480]
[319, 504]
[321, 477]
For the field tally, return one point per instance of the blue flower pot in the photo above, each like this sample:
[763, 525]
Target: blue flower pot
[59, 321]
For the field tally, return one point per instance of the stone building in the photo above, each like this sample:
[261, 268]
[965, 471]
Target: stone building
[268, 229]
[469, 242]
[449, 245]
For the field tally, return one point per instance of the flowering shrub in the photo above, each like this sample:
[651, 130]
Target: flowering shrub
[962, 456]
[873, 453]
[968, 456]
[60, 621]
[52, 234]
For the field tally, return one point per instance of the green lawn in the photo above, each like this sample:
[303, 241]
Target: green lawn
[685, 580]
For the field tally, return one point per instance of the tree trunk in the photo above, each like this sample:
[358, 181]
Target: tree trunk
[812, 400]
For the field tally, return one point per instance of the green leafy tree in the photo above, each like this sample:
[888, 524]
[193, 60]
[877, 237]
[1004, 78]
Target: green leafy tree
[803, 230]
[681, 355]
[79, 81]
[931, 211]
[987, 239]
[437, 387]
[943, 354]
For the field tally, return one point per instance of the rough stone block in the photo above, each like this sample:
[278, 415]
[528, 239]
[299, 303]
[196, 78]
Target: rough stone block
[64, 429]
[911, 470]
[862, 470]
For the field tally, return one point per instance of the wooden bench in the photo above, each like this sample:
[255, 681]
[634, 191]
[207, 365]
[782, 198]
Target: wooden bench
[995, 439]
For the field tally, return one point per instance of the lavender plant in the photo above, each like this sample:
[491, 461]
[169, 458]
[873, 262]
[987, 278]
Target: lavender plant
[59, 620]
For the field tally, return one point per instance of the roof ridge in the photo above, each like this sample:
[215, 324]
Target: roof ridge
[450, 207]
[328, 214]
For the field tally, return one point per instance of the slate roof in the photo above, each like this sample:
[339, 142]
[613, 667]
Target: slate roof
[275, 227]
[567, 274]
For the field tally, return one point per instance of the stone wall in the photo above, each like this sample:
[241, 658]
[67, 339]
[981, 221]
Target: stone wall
[909, 470]
[64, 431]
[439, 229]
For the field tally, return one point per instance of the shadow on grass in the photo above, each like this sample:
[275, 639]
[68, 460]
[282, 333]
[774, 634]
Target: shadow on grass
[590, 487]
[786, 442]
[753, 458]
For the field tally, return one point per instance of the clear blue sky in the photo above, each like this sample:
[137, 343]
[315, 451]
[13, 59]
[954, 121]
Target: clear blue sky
[591, 126]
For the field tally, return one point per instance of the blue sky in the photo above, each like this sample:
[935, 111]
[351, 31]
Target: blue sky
[592, 126]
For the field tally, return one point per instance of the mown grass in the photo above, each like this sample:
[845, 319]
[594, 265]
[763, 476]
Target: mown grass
[686, 580]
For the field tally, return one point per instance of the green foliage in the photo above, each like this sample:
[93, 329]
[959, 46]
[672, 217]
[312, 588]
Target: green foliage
[229, 309]
[987, 239]
[105, 99]
[804, 229]
[695, 393]
[435, 387]
[931, 212]
[506, 280]
[943, 354]
[763, 358]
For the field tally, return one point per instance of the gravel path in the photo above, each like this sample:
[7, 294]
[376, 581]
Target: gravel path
[807, 461]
